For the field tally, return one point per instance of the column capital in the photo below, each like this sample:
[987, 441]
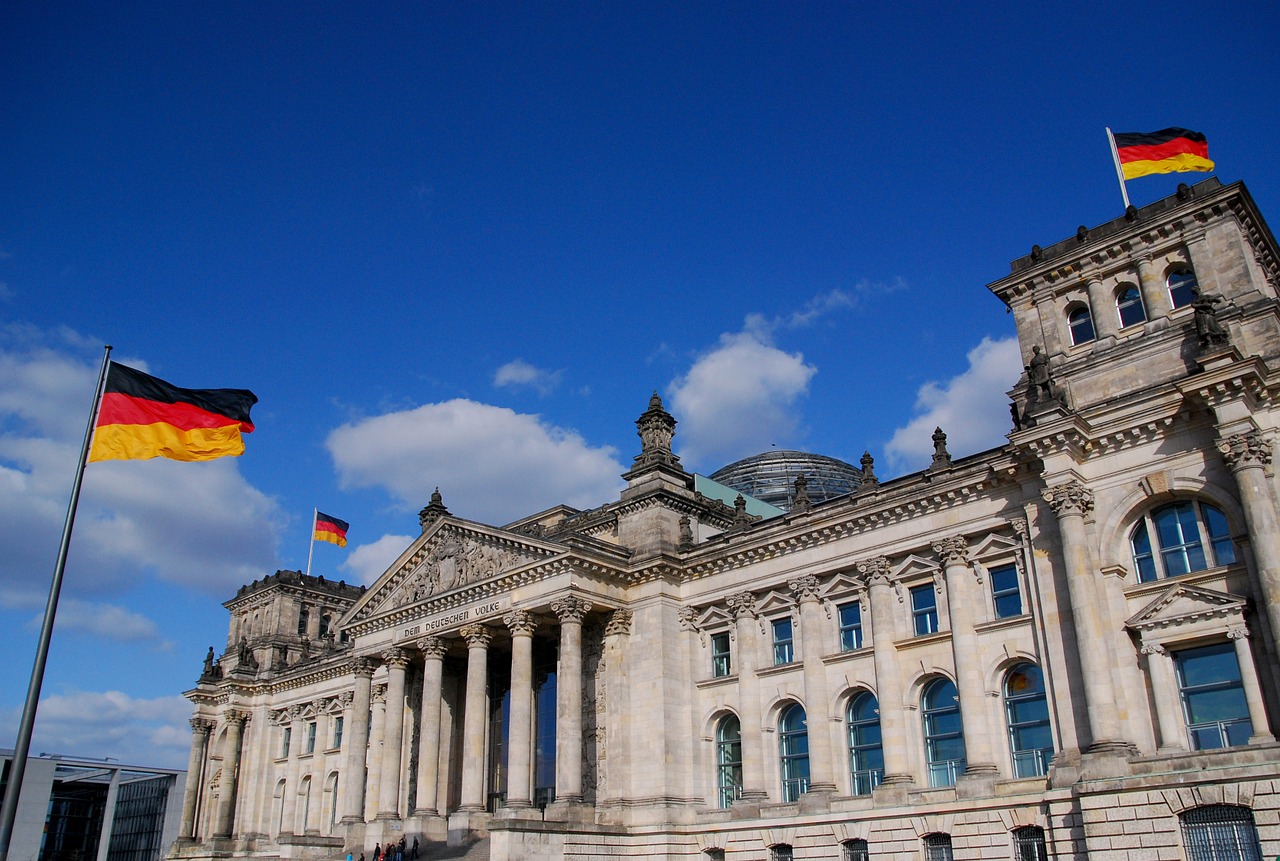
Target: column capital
[395, 658]
[361, 668]
[875, 570]
[201, 726]
[1238, 632]
[346, 698]
[232, 716]
[1244, 450]
[432, 647]
[294, 711]
[619, 623]
[570, 608]
[688, 619]
[742, 605]
[520, 623]
[477, 636]
[1069, 498]
[804, 588]
[1019, 525]
[378, 694]
[952, 551]
[1154, 649]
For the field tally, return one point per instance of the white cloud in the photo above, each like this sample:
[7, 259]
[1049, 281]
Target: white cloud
[519, 373]
[369, 561]
[200, 525]
[739, 398]
[110, 724]
[972, 408]
[491, 463]
[104, 620]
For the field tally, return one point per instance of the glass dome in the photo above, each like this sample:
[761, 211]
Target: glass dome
[771, 476]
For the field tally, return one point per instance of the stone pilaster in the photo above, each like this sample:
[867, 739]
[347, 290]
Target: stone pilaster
[520, 732]
[893, 724]
[822, 762]
[1239, 636]
[1248, 456]
[478, 638]
[235, 721]
[356, 741]
[433, 649]
[201, 729]
[570, 611]
[743, 607]
[1173, 734]
[293, 773]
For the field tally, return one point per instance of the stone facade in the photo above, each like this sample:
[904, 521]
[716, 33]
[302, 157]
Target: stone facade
[1063, 647]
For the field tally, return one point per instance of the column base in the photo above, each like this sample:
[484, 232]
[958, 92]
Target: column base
[1262, 738]
[422, 811]
[892, 791]
[387, 817]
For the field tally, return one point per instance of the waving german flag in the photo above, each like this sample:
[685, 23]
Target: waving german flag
[1166, 151]
[330, 529]
[143, 417]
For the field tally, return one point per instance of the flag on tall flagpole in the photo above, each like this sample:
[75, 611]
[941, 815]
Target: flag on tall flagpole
[1166, 151]
[142, 417]
[331, 529]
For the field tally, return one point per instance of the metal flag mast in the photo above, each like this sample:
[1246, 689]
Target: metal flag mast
[23, 745]
[311, 548]
[1115, 157]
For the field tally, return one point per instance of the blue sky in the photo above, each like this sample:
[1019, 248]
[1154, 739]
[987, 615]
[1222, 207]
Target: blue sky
[459, 245]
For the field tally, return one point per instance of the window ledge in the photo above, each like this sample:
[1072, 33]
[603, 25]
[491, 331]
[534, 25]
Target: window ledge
[779, 669]
[1006, 622]
[923, 639]
[1138, 590]
[716, 681]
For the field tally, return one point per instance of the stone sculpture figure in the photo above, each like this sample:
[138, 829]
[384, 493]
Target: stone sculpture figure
[1209, 328]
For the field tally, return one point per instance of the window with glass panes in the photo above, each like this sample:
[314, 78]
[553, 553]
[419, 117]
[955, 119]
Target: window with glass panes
[783, 646]
[1129, 306]
[943, 732]
[850, 616]
[1213, 702]
[721, 663]
[924, 609]
[793, 739]
[1182, 287]
[1005, 591]
[285, 738]
[1189, 536]
[337, 731]
[866, 751]
[1080, 322]
[781, 852]
[1220, 832]
[1027, 711]
[311, 738]
[729, 760]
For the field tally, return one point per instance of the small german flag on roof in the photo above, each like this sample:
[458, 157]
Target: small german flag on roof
[1167, 151]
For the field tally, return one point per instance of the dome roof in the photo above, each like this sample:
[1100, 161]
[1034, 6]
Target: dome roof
[771, 476]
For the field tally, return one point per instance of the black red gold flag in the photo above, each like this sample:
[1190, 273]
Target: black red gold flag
[142, 417]
[331, 529]
[1166, 151]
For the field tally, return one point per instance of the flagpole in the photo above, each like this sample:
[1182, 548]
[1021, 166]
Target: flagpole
[23, 745]
[311, 548]
[1115, 157]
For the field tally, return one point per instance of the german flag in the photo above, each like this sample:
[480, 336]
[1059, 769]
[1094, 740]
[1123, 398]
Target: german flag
[143, 417]
[331, 529]
[1166, 151]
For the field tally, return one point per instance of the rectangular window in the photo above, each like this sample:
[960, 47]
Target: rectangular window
[286, 736]
[311, 738]
[924, 609]
[337, 731]
[1004, 589]
[783, 647]
[850, 626]
[1213, 702]
[721, 663]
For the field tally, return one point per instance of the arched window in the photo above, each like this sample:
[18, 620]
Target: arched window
[1030, 737]
[855, 850]
[793, 741]
[866, 753]
[1182, 286]
[1080, 321]
[1028, 844]
[943, 733]
[1129, 306]
[1191, 536]
[781, 852]
[1220, 832]
[937, 847]
[729, 760]
[325, 621]
[303, 617]
[1212, 693]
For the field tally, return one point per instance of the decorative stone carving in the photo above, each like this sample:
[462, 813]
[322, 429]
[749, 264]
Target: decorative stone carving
[688, 619]
[686, 534]
[619, 623]
[1245, 450]
[1238, 632]
[378, 694]
[742, 604]
[952, 551]
[1042, 392]
[570, 609]
[804, 588]
[941, 457]
[875, 570]
[520, 622]
[362, 668]
[801, 503]
[346, 698]
[452, 561]
[477, 636]
[1071, 498]
[1209, 329]
[433, 511]
[395, 657]
[201, 726]
[656, 428]
[432, 647]
[235, 716]
[868, 470]
[1154, 649]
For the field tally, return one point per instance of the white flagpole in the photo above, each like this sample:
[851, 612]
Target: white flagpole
[23, 745]
[1115, 157]
[311, 548]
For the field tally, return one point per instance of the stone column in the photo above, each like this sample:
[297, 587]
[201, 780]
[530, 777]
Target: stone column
[200, 730]
[962, 597]
[893, 722]
[293, 772]
[570, 611]
[1106, 321]
[1164, 684]
[235, 721]
[1261, 734]
[822, 763]
[743, 607]
[1248, 455]
[617, 708]
[478, 638]
[520, 734]
[392, 734]
[356, 740]
[1071, 501]
[1154, 295]
[433, 649]
[377, 733]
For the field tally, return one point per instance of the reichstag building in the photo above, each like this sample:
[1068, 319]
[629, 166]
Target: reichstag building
[1064, 647]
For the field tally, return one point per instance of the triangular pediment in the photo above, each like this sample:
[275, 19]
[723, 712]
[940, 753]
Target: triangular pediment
[915, 566]
[841, 585]
[1182, 604]
[774, 601]
[451, 555]
[994, 546]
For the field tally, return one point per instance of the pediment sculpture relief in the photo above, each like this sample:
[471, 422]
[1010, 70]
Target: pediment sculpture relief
[455, 561]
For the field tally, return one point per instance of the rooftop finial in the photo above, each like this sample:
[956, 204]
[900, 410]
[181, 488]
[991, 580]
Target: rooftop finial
[656, 428]
[434, 510]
